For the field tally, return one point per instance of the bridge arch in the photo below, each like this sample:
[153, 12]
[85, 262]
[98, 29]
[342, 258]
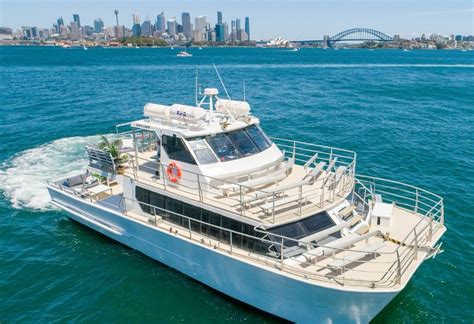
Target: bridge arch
[360, 34]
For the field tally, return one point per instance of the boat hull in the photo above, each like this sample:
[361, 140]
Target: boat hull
[264, 288]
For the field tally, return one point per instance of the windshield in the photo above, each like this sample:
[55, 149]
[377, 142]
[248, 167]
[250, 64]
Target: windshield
[243, 142]
[223, 147]
[202, 152]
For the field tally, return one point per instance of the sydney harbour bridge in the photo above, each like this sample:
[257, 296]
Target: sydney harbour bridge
[352, 35]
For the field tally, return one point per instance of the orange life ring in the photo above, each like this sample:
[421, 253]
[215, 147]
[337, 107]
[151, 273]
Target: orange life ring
[174, 172]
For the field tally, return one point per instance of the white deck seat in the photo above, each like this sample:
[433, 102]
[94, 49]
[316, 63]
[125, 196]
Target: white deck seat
[335, 245]
[316, 171]
[267, 207]
[346, 212]
[278, 191]
[331, 165]
[356, 255]
[310, 161]
[325, 233]
[276, 176]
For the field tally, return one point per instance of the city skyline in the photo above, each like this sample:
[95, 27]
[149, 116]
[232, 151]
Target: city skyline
[304, 19]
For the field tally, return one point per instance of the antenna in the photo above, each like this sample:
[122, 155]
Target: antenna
[196, 88]
[220, 79]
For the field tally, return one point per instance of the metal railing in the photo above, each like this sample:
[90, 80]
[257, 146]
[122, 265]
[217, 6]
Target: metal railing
[412, 199]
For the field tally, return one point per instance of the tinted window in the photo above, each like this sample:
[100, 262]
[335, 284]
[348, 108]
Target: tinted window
[202, 152]
[176, 149]
[243, 142]
[223, 147]
[259, 137]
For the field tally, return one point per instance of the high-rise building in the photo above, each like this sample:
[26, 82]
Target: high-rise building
[186, 22]
[219, 18]
[147, 29]
[247, 28]
[136, 29]
[75, 31]
[200, 23]
[226, 31]
[60, 22]
[98, 25]
[238, 30]
[219, 33]
[160, 24]
[76, 19]
[171, 26]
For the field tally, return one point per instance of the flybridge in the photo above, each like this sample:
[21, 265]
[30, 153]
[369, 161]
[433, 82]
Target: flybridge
[217, 109]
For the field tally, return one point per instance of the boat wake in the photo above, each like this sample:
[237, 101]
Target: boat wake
[23, 178]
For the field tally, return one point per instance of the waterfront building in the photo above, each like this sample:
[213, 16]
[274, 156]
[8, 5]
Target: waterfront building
[219, 18]
[247, 28]
[136, 29]
[219, 31]
[171, 26]
[75, 31]
[6, 33]
[76, 19]
[98, 25]
[187, 26]
[60, 23]
[226, 31]
[87, 30]
[238, 30]
[200, 22]
[147, 28]
[197, 35]
[160, 24]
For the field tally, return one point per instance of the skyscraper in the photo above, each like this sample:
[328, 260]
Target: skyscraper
[220, 37]
[238, 30]
[219, 18]
[247, 28]
[60, 23]
[160, 24]
[171, 26]
[186, 22]
[136, 29]
[76, 19]
[98, 25]
[200, 23]
[75, 34]
[146, 28]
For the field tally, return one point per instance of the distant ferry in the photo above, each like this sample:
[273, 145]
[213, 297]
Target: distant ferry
[285, 226]
[184, 54]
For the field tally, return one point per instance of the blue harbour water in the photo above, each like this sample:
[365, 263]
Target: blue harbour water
[409, 116]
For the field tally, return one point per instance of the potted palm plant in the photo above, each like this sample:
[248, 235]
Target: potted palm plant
[113, 147]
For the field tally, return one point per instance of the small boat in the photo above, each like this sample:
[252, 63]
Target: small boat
[295, 49]
[66, 46]
[184, 54]
[200, 47]
[136, 46]
[85, 48]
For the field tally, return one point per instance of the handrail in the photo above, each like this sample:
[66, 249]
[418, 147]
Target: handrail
[232, 247]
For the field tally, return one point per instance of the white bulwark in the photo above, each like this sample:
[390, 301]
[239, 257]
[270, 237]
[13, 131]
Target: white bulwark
[285, 226]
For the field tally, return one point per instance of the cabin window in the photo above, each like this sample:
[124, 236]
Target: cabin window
[167, 205]
[176, 150]
[258, 136]
[243, 142]
[223, 147]
[202, 152]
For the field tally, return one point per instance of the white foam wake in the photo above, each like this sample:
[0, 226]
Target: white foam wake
[23, 178]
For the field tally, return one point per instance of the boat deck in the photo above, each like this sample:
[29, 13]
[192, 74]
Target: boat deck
[286, 205]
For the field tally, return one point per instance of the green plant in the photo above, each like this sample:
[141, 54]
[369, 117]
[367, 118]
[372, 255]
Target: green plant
[113, 147]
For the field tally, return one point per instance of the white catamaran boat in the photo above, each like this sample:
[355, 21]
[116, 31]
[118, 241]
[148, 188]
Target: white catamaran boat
[285, 226]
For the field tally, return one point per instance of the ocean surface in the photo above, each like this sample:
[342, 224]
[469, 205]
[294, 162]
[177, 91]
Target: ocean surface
[409, 115]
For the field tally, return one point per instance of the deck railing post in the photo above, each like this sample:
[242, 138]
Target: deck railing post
[230, 242]
[430, 233]
[300, 200]
[399, 269]
[199, 188]
[189, 228]
[416, 201]
[415, 249]
[294, 150]
[163, 175]
[281, 252]
[241, 201]
[273, 207]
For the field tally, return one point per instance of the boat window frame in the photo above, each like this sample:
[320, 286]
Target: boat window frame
[190, 157]
[208, 147]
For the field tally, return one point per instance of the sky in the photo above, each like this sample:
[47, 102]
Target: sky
[291, 19]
